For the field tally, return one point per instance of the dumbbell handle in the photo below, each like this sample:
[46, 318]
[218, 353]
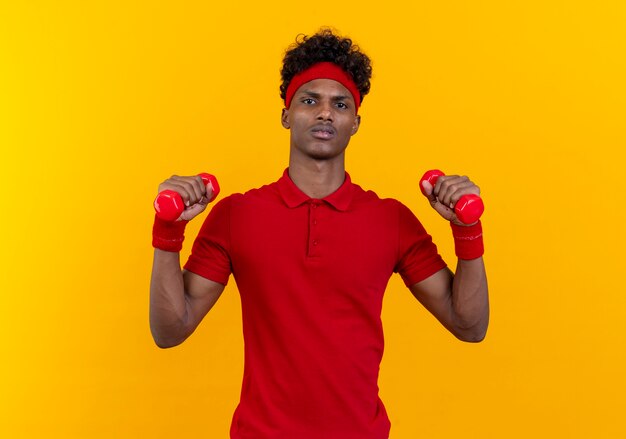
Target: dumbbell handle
[169, 205]
[468, 209]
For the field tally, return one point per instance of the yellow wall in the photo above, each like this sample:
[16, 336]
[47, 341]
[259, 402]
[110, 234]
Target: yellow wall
[100, 101]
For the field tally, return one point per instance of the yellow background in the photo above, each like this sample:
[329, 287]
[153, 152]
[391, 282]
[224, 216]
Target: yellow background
[101, 101]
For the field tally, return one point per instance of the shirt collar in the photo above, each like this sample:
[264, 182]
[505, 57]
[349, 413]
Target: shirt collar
[293, 196]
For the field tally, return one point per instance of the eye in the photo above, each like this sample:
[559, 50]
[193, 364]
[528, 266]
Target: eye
[342, 105]
[308, 101]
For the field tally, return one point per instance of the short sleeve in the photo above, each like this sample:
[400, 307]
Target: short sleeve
[210, 254]
[417, 254]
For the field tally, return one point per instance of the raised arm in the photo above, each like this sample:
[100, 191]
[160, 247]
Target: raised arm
[179, 299]
[460, 301]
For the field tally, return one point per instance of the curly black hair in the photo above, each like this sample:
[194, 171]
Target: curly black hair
[326, 46]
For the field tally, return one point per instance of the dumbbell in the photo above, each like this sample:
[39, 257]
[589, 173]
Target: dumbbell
[169, 204]
[468, 209]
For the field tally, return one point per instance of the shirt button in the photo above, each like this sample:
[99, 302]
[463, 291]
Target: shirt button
[314, 206]
[314, 242]
[314, 222]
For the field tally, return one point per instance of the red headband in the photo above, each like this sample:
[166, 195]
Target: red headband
[323, 70]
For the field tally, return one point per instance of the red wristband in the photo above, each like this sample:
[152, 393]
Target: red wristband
[468, 241]
[168, 235]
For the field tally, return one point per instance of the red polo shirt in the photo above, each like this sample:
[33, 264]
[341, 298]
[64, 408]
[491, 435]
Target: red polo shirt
[311, 274]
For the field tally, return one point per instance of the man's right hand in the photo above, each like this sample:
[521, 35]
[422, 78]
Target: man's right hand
[193, 191]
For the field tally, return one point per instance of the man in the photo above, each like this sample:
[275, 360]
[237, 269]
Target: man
[312, 254]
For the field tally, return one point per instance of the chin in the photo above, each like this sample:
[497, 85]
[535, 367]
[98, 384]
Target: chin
[323, 151]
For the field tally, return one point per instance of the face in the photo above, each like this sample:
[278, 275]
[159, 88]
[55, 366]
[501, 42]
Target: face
[321, 119]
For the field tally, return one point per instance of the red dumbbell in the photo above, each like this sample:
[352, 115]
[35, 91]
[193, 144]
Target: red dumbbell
[169, 204]
[468, 209]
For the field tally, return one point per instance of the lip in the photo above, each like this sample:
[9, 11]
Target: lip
[323, 132]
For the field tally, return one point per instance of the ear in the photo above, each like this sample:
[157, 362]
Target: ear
[356, 124]
[284, 118]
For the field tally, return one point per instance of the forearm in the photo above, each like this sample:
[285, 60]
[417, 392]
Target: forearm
[470, 299]
[168, 304]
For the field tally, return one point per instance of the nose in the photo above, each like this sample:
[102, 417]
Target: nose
[325, 112]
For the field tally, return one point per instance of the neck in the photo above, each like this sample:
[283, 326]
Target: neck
[317, 179]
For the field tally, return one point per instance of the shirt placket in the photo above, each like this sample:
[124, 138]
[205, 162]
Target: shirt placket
[313, 249]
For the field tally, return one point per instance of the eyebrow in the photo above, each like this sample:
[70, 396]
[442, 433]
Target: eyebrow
[317, 95]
